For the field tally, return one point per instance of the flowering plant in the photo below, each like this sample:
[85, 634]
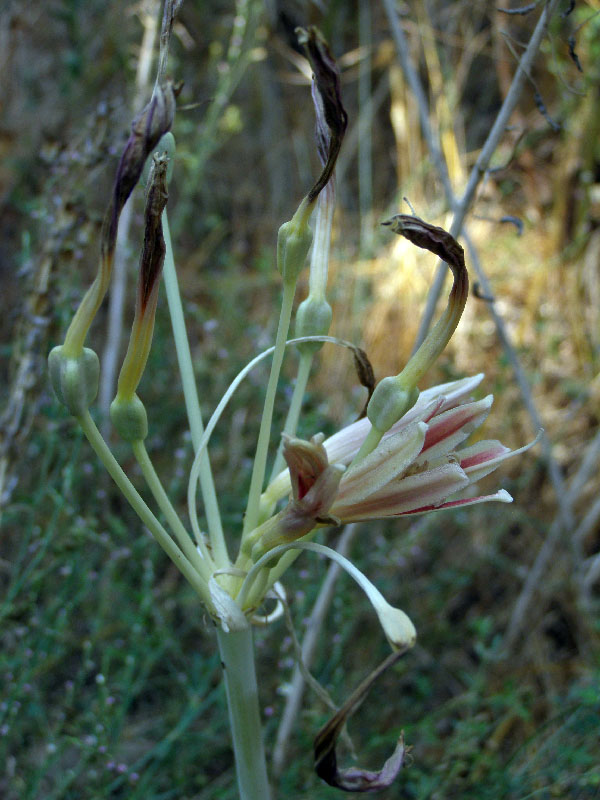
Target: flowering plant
[406, 456]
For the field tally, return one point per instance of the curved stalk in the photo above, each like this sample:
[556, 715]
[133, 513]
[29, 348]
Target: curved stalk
[200, 558]
[262, 446]
[192, 402]
[135, 500]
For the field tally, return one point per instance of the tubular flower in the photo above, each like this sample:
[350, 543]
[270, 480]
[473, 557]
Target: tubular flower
[419, 464]
[314, 486]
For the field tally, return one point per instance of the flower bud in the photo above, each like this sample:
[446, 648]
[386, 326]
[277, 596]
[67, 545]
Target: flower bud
[313, 318]
[293, 243]
[146, 131]
[74, 379]
[443, 244]
[151, 263]
[332, 119]
[299, 517]
[390, 401]
[129, 418]
[397, 626]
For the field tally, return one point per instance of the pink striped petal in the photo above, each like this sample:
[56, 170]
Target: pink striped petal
[484, 457]
[343, 445]
[501, 496]
[391, 458]
[450, 429]
[404, 495]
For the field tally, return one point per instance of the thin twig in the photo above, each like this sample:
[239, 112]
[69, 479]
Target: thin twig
[566, 518]
[416, 88]
[565, 511]
[365, 118]
[591, 575]
[461, 207]
[518, 617]
[170, 12]
[522, 10]
[365, 144]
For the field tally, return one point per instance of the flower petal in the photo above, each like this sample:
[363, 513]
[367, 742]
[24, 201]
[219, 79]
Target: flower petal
[501, 496]
[392, 457]
[405, 495]
[452, 391]
[448, 430]
[343, 445]
[306, 462]
[484, 457]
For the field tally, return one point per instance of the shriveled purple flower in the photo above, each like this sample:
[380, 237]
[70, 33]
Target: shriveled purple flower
[332, 119]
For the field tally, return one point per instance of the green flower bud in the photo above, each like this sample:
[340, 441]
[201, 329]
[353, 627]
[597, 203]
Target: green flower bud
[389, 402]
[129, 418]
[74, 379]
[313, 318]
[293, 243]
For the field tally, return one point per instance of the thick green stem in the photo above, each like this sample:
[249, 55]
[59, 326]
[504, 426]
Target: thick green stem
[237, 656]
[192, 402]
[262, 447]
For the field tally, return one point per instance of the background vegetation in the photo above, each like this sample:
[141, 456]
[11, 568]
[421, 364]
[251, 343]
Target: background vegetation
[109, 675]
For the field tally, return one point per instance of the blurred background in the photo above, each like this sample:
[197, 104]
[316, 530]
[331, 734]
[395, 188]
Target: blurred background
[110, 681]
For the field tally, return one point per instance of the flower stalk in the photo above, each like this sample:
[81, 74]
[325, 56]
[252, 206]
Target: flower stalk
[409, 455]
[237, 656]
[192, 403]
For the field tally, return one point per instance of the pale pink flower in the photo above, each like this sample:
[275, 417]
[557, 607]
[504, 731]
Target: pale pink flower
[418, 466]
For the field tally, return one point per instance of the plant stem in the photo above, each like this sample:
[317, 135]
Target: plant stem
[291, 422]
[192, 402]
[262, 446]
[314, 624]
[201, 560]
[237, 656]
[371, 441]
[133, 497]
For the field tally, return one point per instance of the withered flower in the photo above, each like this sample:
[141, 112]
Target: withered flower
[146, 131]
[355, 779]
[151, 263]
[332, 119]
[127, 412]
